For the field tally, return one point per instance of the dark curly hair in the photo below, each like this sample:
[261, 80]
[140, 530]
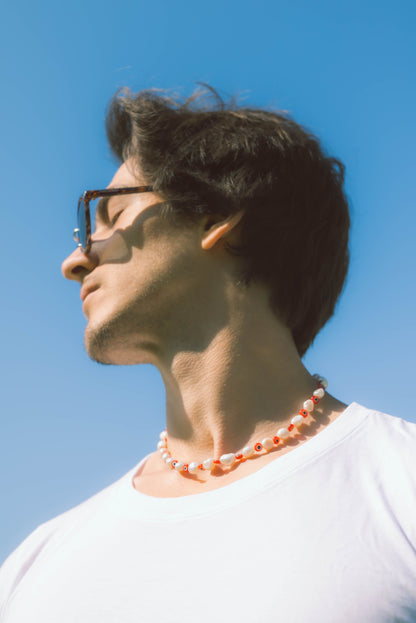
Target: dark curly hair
[205, 156]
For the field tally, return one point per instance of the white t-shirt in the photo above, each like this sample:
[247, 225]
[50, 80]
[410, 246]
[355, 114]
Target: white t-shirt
[323, 534]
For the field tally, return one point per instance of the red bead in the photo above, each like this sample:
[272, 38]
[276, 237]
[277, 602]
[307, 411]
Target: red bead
[303, 412]
[258, 447]
[238, 457]
[315, 399]
[185, 467]
[276, 440]
[291, 427]
[173, 464]
[217, 462]
[200, 466]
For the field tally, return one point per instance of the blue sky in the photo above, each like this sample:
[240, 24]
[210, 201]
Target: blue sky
[343, 69]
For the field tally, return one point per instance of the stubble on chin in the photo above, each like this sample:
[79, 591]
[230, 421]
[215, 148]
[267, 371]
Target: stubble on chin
[111, 343]
[103, 342]
[96, 344]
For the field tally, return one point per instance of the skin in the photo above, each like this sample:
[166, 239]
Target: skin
[169, 295]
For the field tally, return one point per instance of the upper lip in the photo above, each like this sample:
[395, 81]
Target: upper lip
[85, 290]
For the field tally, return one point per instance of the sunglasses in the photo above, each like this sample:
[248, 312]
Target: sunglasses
[87, 209]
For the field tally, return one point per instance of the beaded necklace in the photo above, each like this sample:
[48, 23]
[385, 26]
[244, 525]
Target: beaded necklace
[249, 451]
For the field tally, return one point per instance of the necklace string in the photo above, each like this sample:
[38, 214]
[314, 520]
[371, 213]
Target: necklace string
[249, 451]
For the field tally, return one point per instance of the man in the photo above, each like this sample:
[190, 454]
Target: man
[217, 253]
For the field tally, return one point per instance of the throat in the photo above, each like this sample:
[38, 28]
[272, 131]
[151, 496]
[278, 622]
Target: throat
[156, 479]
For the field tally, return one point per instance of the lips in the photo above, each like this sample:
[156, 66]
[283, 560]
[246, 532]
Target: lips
[86, 290]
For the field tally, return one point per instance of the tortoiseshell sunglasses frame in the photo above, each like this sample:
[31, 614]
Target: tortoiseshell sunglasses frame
[94, 194]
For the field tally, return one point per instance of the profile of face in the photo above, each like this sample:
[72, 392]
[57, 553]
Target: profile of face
[147, 280]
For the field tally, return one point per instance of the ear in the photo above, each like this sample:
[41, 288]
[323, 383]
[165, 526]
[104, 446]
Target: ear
[220, 230]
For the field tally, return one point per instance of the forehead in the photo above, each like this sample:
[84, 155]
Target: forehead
[128, 174]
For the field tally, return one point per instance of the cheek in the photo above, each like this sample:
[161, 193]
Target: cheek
[147, 262]
[159, 273]
[113, 250]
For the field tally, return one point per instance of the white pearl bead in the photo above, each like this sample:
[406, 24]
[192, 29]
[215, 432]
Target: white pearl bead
[323, 382]
[179, 465]
[169, 460]
[162, 450]
[165, 455]
[227, 459]
[283, 433]
[161, 444]
[163, 435]
[308, 405]
[193, 467]
[297, 421]
[320, 392]
[267, 443]
[208, 463]
[247, 451]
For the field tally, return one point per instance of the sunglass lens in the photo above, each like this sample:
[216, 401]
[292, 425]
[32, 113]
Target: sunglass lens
[82, 223]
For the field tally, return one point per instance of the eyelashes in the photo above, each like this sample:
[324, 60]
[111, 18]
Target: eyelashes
[115, 217]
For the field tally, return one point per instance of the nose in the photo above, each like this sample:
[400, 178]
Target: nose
[76, 265]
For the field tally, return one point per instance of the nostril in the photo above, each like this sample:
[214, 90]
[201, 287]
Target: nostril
[77, 269]
[76, 265]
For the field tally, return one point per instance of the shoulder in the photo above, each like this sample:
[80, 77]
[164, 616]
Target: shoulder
[392, 441]
[376, 452]
[372, 464]
[367, 433]
[382, 435]
[386, 457]
[382, 424]
[46, 536]
[390, 428]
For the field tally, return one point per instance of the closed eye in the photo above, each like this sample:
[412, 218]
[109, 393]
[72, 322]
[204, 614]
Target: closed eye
[115, 217]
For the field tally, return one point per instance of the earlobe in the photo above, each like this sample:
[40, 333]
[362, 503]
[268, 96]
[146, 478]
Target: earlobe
[220, 230]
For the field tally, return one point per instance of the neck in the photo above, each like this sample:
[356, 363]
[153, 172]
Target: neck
[247, 381]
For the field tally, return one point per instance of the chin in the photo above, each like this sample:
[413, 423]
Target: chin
[106, 344]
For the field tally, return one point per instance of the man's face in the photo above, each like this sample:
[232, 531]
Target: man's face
[145, 273]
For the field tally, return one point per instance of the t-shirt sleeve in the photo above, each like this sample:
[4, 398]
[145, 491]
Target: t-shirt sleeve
[21, 560]
[37, 545]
